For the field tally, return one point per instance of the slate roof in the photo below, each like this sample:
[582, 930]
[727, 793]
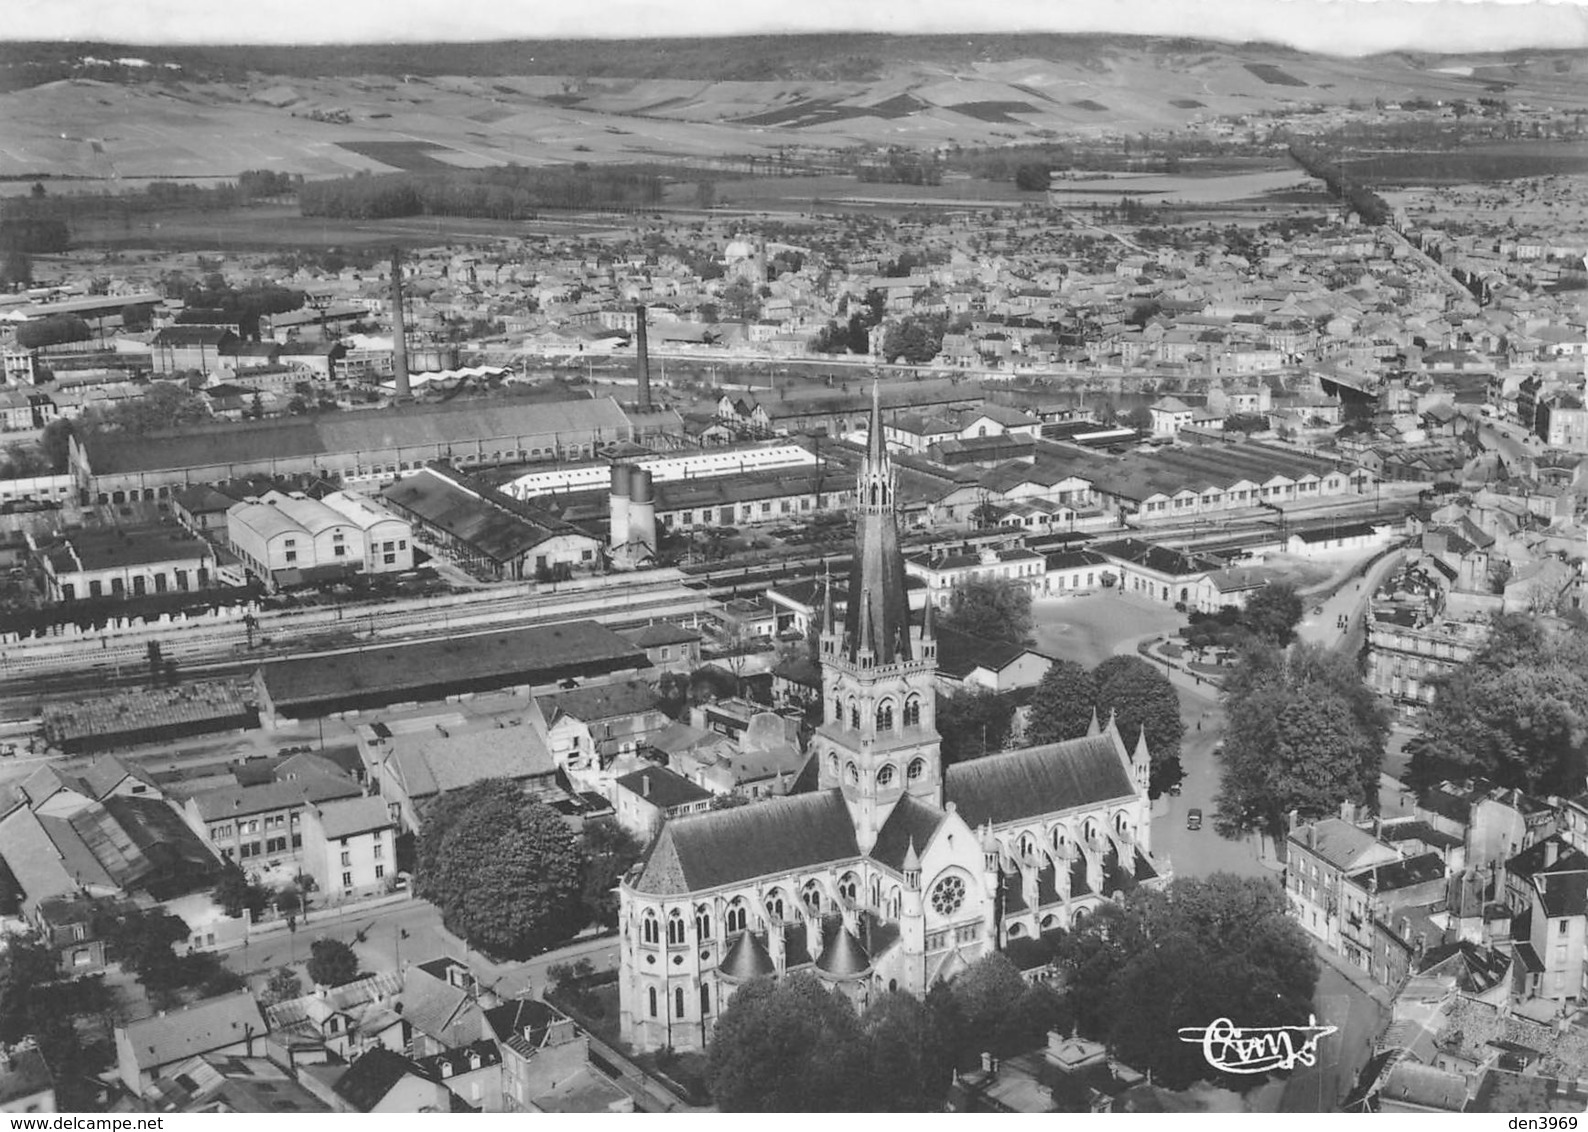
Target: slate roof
[1039, 780]
[600, 701]
[457, 1059]
[1404, 873]
[25, 1075]
[747, 959]
[521, 1024]
[1336, 842]
[241, 801]
[909, 821]
[661, 633]
[372, 1076]
[1502, 1091]
[843, 957]
[337, 434]
[1530, 861]
[1563, 894]
[201, 1028]
[429, 763]
[771, 838]
[537, 654]
[1411, 1083]
[662, 787]
[353, 816]
[959, 654]
[491, 529]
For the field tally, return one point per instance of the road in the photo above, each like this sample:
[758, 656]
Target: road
[411, 932]
[1341, 1056]
[1089, 630]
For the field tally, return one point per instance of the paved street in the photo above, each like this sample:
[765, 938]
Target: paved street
[1089, 630]
[410, 933]
[1321, 1087]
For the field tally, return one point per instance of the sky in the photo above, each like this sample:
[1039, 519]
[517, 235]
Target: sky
[1341, 27]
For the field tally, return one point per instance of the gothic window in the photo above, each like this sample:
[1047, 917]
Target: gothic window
[917, 769]
[653, 1002]
[948, 895]
[854, 716]
[678, 1002]
[1059, 839]
[876, 892]
[912, 711]
[811, 895]
[705, 1000]
[885, 776]
[703, 922]
[873, 495]
[832, 763]
[893, 905]
[675, 928]
[852, 772]
[1027, 844]
[650, 930]
[885, 716]
[838, 711]
[848, 887]
[738, 917]
[774, 907]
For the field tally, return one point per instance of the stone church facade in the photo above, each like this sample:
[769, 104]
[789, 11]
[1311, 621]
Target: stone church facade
[882, 869]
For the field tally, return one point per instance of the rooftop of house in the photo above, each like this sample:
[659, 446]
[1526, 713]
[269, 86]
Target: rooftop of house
[206, 1026]
[663, 788]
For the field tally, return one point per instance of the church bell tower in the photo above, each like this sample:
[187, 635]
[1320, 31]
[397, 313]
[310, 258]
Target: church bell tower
[878, 740]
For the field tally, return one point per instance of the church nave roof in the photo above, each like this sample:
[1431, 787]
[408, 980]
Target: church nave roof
[1039, 780]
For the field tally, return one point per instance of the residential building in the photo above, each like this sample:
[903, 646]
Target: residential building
[145, 1050]
[26, 1084]
[350, 847]
[591, 728]
[261, 828]
[1320, 856]
[943, 573]
[545, 1063]
[648, 797]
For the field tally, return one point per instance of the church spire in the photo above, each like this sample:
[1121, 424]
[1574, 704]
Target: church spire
[878, 614]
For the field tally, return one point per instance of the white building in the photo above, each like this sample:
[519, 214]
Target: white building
[280, 533]
[943, 572]
[350, 847]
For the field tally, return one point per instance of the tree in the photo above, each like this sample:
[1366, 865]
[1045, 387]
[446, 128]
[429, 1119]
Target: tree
[907, 1065]
[165, 405]
[331, 963]
[1516, 713]
[986, 991]
[1273, 612]
[1304, 734]
[17, 269]
[1223, 947]
[236, 894]
[142, 942]
[609, 851]
[1033, 178]
[916, 339]
[972, 723]
[504, 870]
[53, 330]
[282, 986]
[1140, 696]
[997, 609]
[1139, 418]
[1061, 705]
[787, 1046]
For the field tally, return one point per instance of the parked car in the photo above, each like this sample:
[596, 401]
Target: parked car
[1193, 819]
[1174, 791]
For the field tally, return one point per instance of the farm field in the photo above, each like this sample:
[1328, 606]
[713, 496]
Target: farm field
[731, 102]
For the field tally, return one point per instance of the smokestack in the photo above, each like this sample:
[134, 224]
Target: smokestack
[620, 505]
[399, 331]
[642, 360]
[642, 508]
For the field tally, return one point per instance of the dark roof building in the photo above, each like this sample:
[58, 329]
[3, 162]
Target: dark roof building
[306, 687]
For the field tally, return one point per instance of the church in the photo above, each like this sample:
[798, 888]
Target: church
[883, 869]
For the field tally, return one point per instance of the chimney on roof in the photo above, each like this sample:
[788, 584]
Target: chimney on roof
[645, 786]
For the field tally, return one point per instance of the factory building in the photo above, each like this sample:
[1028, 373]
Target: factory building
[360, 449]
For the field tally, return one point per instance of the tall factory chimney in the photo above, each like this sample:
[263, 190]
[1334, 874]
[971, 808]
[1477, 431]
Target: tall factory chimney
[619, 535]
[642, 360]
[642, 509]
[399, 331]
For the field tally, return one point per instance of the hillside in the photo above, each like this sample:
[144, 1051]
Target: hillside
[103, 111]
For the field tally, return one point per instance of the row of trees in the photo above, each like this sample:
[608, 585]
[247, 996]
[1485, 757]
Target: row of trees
[1129, 976]
[509, 875]
[1320, 164]
[509, 193]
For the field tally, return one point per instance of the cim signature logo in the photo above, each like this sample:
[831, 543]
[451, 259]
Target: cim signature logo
[1257, 1049]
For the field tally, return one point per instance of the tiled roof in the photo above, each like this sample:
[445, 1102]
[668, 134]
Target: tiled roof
[1040, 780]
[1336, 842]
[662, 788]
[374, 1074]
[352, 816]
[600, 701]
[771, 838]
